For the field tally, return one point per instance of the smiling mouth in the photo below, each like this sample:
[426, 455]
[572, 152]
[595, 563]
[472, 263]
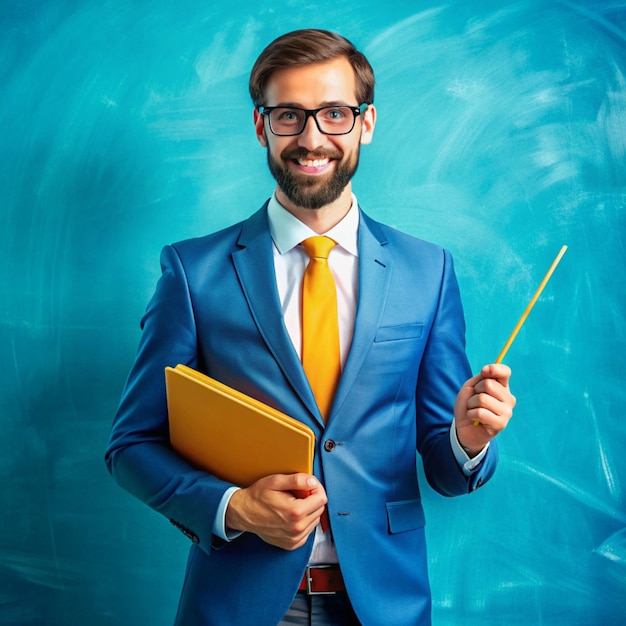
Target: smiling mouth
[311, 162]
[315, 163]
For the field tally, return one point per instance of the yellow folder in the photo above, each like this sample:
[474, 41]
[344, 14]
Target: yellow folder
[231, 435]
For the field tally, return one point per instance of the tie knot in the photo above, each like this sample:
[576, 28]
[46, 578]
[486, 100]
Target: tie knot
[319, 246]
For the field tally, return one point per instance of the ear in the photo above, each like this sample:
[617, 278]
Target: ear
[367, 125]
[259, 127]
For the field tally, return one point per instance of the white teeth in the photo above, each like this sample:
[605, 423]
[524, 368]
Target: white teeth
[313, 163]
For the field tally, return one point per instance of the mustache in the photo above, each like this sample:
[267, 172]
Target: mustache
[290, 154]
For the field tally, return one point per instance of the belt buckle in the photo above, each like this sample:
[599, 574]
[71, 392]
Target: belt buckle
[309, 580]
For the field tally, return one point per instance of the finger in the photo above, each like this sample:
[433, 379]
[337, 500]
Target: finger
[306, 502]
[499, 371]
[492, 414]
[298, 485]
[490, 423]
[489, 411]
[494, 388]
[297, 519]
[298, 482]
[287, 541]
[497, 399]
[294, 530]
[315, 496]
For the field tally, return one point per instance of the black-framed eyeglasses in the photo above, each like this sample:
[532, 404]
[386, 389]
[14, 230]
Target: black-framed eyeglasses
[330, 120]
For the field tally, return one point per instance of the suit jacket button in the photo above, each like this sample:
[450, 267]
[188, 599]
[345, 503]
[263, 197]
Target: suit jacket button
[329, 445]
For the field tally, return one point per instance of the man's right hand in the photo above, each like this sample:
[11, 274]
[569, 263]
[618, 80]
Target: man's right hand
[282, 509]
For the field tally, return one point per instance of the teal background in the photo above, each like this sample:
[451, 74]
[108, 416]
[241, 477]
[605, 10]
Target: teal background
[501, 135]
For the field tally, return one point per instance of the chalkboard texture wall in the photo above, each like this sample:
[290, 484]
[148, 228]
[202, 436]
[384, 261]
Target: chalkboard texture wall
[501, 135]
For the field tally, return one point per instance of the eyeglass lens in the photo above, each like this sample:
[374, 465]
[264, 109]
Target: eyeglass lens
[330, 120]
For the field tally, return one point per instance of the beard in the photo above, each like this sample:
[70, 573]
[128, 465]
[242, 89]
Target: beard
[312, 192]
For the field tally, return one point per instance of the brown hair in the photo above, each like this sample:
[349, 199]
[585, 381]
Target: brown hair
[305, 47]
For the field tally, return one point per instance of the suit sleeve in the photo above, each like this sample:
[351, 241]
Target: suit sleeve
[139, 455]
[443, 371]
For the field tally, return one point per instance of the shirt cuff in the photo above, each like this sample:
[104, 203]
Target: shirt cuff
[219, 523]
[465, 463]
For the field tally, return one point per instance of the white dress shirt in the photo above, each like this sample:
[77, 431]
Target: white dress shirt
[290, 261]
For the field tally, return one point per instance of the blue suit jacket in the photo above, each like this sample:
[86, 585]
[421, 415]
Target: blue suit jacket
[216, 308]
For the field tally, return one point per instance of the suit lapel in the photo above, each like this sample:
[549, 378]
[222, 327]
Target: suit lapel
[374, 273]
[255, 268]
[254, 265]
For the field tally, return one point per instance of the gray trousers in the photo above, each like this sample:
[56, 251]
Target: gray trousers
[322, 610]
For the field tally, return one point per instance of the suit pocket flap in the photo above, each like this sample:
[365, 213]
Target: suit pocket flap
[395, 333]
[405, 515]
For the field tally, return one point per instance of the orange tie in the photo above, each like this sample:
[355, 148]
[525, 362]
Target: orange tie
[321, 357]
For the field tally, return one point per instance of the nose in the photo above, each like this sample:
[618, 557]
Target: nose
[311, 138]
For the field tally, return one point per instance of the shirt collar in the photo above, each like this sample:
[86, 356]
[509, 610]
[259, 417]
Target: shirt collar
[288, 231]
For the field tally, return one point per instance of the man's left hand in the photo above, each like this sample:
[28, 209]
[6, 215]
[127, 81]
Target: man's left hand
[483, 407]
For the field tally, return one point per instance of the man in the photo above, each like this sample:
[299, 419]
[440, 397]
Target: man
[229, 304]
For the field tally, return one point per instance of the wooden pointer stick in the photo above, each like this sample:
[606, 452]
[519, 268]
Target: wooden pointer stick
[531, 304]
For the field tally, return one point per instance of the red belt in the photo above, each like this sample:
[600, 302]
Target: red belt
[322, 579]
